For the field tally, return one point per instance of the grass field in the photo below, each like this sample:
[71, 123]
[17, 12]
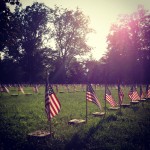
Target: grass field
[21, 115]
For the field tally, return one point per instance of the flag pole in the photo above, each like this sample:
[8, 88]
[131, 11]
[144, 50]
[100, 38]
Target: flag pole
[0, 87]
[18, 89]
[86, 93]
[86, 109]
[105, 82]
[50, 122]
[50, 127]
[132, 94]
[105, 98]
[1, 92]
[119, 100]
[140, 91]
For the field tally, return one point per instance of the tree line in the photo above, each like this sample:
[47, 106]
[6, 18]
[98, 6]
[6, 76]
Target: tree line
[38, 39]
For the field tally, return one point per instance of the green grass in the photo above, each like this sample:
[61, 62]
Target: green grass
[22, 114]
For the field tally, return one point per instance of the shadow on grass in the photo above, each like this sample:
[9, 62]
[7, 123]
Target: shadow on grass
[107, 136]
[112, 132]
[135, 108]
[87, 142]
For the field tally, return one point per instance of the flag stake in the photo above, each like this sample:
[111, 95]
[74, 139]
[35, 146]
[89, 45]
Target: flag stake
[86, 94]
[50, 122]
[50, 127]
[105, 99]
[1, 93]
[119, 100]
[91, 97]
[86, 110]
[52, 104]
[18, 90]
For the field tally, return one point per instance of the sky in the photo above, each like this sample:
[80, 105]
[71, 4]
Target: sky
[102, 14]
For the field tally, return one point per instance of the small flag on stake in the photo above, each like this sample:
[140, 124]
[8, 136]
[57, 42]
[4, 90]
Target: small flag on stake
[91, 96]
[133, 94]
[141, 93]
[35, 89]
[147, 91]
[4, 89]
[20, 89]
[109, 98]
[52, 104]
[120, 94]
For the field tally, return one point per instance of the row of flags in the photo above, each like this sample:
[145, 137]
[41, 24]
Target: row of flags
[61, 88]
[53, 106]
[58, 88]
[133, 94]
[5, 89]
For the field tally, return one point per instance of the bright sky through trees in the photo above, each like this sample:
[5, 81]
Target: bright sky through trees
[102, 14]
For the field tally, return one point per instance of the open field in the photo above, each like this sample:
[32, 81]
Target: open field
[20, 115]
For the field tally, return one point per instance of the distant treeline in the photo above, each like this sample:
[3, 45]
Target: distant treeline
[38, 40]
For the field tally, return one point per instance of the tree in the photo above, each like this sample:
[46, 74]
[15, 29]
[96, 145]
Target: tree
[70, 31]
[76, 72]
[5, 15]
[43, 37]
[128, 46]
[32, 25]
[7, 38]
[5, 25]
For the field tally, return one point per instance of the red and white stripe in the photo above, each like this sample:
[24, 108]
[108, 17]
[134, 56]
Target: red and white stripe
[148, 93]
[134, 96]
[52, 104]
[92, 98]
[110, 100]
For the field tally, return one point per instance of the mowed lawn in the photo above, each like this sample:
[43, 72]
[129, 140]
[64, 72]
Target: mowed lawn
[21, 115]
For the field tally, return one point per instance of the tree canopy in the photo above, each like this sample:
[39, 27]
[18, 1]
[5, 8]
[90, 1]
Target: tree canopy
[39, 38]
[44, 38]
[128, 47]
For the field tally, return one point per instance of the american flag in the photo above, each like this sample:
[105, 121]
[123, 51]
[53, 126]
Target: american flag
[147, 91]
[141, 93]
[133, 94]
[74, 88]
[120, 94]
[52, 104]
[67, 87]
[56, 88]
[109, 98]
[82, 87]
[4, 89]
[35, 89]
[20, 88]
[91, 96]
